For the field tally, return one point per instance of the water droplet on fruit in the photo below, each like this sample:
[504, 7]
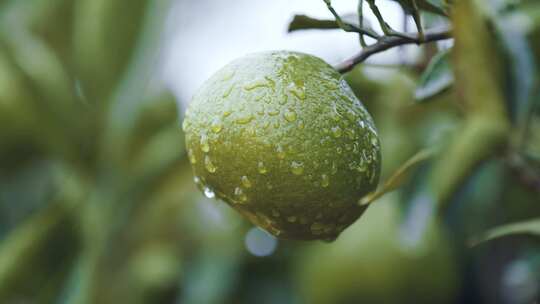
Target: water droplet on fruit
[216, 126]
[226, 113]
[210, 167]
[228, 91]
[336, 132]
[297, 168]
[261, 168]
[245, 181]
[334, 168]
[290, 115]
[280, 152]
[301, 125]
[298, 92]
[205, 147]
[192, 158]
[240, 195]
[209, 193]
[291, 219]
[244, 119]
[339, 150]
[325, 180]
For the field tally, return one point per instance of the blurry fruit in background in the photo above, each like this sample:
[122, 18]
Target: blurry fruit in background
[282, 138]
[370, 264]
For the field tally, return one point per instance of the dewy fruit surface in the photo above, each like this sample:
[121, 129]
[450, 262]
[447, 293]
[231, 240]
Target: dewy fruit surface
[281, 138]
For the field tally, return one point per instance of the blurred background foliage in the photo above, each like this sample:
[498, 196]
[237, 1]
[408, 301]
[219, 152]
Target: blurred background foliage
[98, 205]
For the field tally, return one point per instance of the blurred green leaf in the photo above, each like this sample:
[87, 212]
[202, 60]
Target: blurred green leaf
[437, 77]
[530, 227]
[399, 176]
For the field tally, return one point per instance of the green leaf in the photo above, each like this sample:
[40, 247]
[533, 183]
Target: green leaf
[529, 227]
[303, 22]
[436, 78]
[399, 176]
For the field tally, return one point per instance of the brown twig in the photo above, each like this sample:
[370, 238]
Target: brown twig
[387, 42]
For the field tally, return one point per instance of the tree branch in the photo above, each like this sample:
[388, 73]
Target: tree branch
[387, 42]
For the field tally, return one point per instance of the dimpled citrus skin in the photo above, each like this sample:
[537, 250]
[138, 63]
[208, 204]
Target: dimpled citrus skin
[281, 138]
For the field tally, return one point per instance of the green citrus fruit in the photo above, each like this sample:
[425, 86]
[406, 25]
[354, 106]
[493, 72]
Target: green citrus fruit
[281, 138]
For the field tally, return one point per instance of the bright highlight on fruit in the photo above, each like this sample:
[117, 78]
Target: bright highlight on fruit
[281, 138]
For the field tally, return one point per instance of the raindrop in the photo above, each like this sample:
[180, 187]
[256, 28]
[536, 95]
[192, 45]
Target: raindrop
[210, 167]
[261, 168]
[301, 125]
[339, 150]
[325, 180]
[244, 120]
[290, 115]
[245, 181]
[280, 152]
[226, 113]
[192, 158]
[336, 132]
[209, 193]
[216, 126]
[334, 168]
[297, 168]
[205, 147]
[239, 193]
[228, 91]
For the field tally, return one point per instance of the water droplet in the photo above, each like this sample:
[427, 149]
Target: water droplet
[301, 125]
[240, 195]
[228, 91]
[298, 92]
[291, 219]
[336, 132]
[350, 115]
[325, 180]
[273, 111]
[228, 75]
[197, 180]
[276, 124]
[210, 167]
[334, 168]
[290, 115]
[261, 168]
[351, 134]
[256, 84]
[284, 99]
[280, 152]
[192, 158]
[297, 168]
[244, 119]
[271, 83]
[374, 141]
[205, 147]
[245, 181]
[216, 126]
[226, 113]
[339, 150]
[362, 124]
[269, 186]
[209, 193]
